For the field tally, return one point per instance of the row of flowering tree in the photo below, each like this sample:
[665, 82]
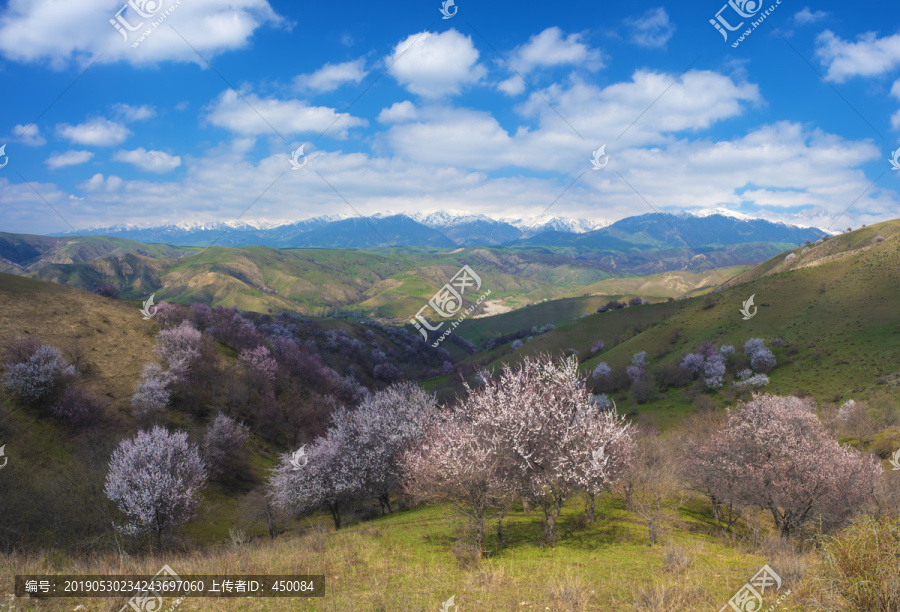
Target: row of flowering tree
[534, 432]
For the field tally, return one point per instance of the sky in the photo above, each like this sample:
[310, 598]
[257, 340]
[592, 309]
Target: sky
[151, 112]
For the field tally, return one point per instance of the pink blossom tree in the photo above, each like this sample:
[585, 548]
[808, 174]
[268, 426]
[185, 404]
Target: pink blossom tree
[544, 419]
[460, 464]
[774, 453]
[260, 366]
[155, 479]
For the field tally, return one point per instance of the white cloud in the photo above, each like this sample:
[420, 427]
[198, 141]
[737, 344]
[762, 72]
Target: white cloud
[550, 48]
[291, 116]
[97, 183]
[69, 158]
[98, 132]
[546, 49]
[805, 16]
[895, 118]
[126, 112]
[868, 56]
[331, 76]
[65, 32]
[782, 167]
[652, 29]
[398, 112]
[698, 100]
[151, 161]
[29, 135]
[434, 65]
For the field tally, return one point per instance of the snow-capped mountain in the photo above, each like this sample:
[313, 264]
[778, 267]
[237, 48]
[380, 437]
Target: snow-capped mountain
[454, 228]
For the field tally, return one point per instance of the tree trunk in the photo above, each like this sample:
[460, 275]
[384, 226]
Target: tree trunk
[551, 513]
[589, 507]
[335, 515]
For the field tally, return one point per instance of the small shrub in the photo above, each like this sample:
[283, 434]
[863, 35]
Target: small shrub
[601, 371]
[77, 407]
[676, 558]
[107, 290]
[790, 256]
[467, 555]
[859, 570]
[643, 391]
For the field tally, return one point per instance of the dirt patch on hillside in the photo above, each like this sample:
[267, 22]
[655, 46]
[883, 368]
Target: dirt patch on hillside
[492, 307]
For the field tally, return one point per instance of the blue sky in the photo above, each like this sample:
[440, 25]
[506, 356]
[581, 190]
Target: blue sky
[496, 110]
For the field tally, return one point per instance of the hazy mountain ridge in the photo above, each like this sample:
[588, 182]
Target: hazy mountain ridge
[447, 229]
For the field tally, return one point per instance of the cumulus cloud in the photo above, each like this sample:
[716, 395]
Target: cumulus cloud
[69, 158]
[289, 116]
[331, 76]
[127, 112]
[61, 33]
[398, 112]
[98, 132]
[546, 49]
[29, 135]
[652, 29]
[869, 55]
[151, 161]
[433, 65]
[805, 16]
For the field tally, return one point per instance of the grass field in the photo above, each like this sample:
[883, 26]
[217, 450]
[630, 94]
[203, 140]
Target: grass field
[404, 562]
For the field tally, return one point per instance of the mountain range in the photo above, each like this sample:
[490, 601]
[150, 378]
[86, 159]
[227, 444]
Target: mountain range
[449, 229]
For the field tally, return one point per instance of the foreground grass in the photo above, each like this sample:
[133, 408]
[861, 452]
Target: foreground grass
[404, 562]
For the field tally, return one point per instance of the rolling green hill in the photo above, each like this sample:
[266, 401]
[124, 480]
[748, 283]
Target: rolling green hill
[835, 308]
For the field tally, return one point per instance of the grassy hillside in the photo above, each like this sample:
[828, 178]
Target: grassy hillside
[402, 563]
[386, 283]
[833, 307]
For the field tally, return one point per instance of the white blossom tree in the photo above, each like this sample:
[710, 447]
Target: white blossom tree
[155, 478]
[543, 420]
[222, 444]
[325, 480]
[386, 424]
